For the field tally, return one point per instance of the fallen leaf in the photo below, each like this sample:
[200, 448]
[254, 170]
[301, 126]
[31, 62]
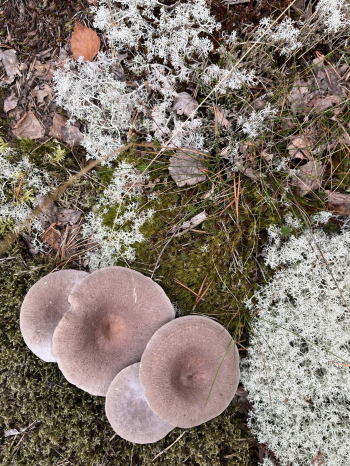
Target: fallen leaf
[71, 135]
[30, 127]
[309, 177]
[248, 171]
[58, 122]
[41, 93]
[339, 203]
[52, 237]
[328, 80]
[301, 94]
[196, 220]
[241, 398]
[44, 71]
[186, 169]
[48, 213]
[184, 104]
[10, 63]
[320, 104]
[68, 216]
[84, 42]
[10, 103]
[9, 433]
[267, 156]
[299, 148]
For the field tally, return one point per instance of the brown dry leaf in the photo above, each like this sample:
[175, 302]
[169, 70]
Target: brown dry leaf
[327, 78]
[267, 156]
[319, 104]
[52, 237]
[10, 103]
[339, 203]
[68, 216]
[299, 148]
[84, 42]
[309, 177]
[184, 104]
[196, 220]
[59, 121]
[186, 169]
[71, 135]
[10, 63]
[301, 94]
[248, 171]
[40, 92]
[44, 71]
[29, 127]
[48, 213]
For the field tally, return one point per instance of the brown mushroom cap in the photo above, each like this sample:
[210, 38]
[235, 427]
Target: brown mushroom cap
[128, 411]
[114, 312]
[43, 307]
[181, 375]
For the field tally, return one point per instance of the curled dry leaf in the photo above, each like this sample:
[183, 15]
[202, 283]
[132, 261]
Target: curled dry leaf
[71, 135]
[84, 42]
[186, 168]
[339, 203]
[299, 148]
[52, 237]
[319, 104]
[184, 104]
[196, 220]
[10, 103]
[29, 127]
[68, 216]
[248, 171]
[40, 92]
[59, 121]
[10, 63]
[309, 177]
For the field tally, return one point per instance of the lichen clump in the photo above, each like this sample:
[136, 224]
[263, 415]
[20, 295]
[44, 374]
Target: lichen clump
[297, 369]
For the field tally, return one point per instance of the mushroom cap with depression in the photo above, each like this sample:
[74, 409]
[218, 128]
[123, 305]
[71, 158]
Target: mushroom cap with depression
[128, 411]
[190, 371]
[43, 307]
[114, 313]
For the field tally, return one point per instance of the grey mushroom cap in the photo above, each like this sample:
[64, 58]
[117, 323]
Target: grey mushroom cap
[114, 313]
[190, 371]
[43, 307]
[128, 411]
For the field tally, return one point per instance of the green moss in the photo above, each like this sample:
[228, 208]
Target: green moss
[70, 424]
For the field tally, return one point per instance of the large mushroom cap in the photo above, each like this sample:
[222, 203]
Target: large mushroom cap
[190, 371]
[43, 307]
[114, 312]
[128, 411]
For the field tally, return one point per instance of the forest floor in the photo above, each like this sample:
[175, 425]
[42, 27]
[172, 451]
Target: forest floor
[203, 245]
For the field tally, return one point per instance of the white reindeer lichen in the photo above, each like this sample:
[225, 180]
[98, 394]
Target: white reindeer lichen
[297, 368]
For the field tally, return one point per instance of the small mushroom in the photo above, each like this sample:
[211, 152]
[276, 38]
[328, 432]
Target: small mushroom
[43, 307]
[114, 313]
[128, 411]
[190, 371]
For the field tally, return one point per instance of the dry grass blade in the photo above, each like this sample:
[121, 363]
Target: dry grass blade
[167, 448]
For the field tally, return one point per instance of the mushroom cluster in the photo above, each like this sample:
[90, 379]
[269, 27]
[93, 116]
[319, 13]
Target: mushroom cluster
[113, 333]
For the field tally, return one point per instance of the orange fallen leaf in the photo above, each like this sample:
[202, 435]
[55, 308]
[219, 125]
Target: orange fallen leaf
[84, 42]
